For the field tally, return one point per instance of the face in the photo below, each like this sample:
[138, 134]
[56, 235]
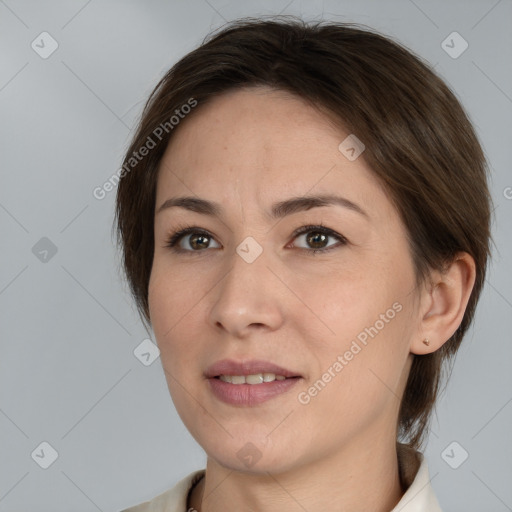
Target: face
[324, 290]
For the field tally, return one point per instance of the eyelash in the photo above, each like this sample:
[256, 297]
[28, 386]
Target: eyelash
[176, 236]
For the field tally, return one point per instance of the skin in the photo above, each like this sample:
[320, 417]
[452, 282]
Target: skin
[246, 150]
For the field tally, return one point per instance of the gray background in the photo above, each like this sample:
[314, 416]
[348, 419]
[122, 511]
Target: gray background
[69, 375]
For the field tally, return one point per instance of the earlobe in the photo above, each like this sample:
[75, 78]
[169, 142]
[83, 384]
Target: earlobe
[444, 303]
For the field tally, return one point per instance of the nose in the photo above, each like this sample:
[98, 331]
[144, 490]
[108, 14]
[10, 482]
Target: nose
[247, 299]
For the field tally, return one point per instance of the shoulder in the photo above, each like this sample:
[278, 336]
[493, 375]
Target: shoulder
[172, 500]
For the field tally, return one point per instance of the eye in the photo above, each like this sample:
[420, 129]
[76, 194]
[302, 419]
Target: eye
[194, 239]
[316, 238]
[190, 239]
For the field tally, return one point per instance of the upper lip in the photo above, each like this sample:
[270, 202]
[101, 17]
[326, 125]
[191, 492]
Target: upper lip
[252, 367]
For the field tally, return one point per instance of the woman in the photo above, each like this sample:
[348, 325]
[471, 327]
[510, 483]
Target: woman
[304, 218]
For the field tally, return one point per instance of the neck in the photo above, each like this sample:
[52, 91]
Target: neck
[354, 479]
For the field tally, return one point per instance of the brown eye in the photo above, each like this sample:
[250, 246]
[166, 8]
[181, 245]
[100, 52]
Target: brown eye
[191, 240]
[198, 241]
[317, 238]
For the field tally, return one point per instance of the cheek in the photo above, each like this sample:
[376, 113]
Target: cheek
[366, 319]
[168, 307]
[170, 294]
[168, 312]
[358, 376]
[157, 301]
[350, 298]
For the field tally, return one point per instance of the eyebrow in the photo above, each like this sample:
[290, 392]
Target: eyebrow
[279, 210]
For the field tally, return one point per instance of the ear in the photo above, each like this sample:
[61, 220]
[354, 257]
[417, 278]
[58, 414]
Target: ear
[443, 303]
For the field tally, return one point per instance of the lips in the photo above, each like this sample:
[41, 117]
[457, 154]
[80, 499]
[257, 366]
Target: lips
[244, 394]
[252, 367]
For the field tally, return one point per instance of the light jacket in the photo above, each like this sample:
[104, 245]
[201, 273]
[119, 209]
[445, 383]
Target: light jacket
[419, 496]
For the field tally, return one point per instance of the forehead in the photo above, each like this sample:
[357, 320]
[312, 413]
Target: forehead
[264, 123]
[265, 144]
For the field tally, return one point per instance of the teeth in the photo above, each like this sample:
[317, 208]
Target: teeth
[257, 378]
[251, 379]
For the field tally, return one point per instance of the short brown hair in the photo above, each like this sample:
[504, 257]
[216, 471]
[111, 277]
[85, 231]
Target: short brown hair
[419, 143]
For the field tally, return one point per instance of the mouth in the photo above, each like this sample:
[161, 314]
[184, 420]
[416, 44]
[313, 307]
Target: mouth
[253, 379]
[255, 371]
[249, 383]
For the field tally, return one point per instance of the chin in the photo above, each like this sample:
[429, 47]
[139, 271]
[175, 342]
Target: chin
[249, 455]
[263, 466]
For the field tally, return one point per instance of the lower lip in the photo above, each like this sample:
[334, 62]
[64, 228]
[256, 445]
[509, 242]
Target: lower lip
[250, 394]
